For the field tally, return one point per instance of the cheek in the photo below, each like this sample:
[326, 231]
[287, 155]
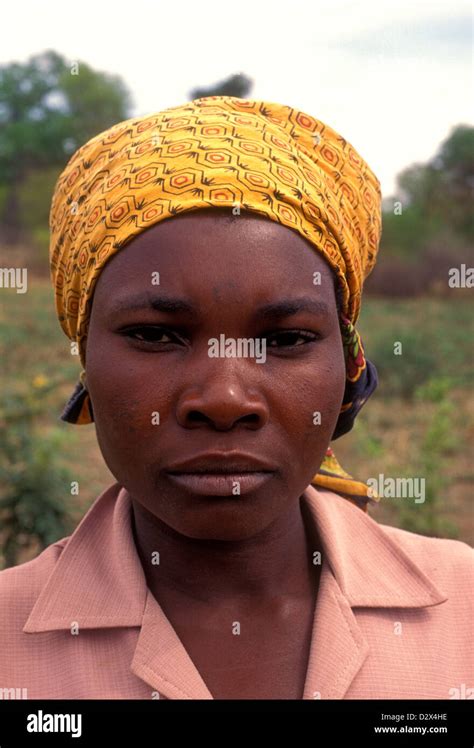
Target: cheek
[312, 403]
[126, 391]
[316, 384]
[129, 398]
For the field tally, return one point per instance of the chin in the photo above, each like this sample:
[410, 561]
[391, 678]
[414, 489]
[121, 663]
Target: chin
[227, 520]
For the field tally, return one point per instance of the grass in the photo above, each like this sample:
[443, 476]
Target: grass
[402, 431]
[420, 420]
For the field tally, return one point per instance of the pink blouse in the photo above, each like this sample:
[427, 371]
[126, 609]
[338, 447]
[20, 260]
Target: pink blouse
[393, 617]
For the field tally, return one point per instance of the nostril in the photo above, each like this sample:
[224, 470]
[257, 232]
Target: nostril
[196, 417]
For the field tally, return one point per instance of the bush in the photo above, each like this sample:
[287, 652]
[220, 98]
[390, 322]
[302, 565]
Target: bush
[438, 444]
[34, 486]
[402, 374]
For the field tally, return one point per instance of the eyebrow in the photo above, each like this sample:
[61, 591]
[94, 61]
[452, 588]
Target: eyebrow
[289, 307]
[139, 302]
[174, 305]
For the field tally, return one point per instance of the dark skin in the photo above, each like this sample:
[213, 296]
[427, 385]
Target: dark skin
[248, 558]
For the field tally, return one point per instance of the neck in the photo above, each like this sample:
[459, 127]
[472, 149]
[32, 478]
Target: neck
[276, 561]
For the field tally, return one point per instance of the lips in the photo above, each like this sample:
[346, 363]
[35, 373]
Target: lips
[222, 463]
[221, 473]
[209, 484]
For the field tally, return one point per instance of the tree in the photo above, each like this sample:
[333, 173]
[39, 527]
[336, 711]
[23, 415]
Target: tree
[48, 108]
[455, 162]
[440, 192]
[236, 85]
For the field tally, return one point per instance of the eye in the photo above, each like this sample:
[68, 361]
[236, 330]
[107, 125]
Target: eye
[155, 336]
[151, 335]
[287, 338]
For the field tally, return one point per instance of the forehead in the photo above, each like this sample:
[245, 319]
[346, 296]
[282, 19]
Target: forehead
[213, 251]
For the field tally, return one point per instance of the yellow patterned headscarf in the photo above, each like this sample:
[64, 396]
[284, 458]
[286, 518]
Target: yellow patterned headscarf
[219, 151]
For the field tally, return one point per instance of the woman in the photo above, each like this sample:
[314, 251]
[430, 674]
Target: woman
[208, 261]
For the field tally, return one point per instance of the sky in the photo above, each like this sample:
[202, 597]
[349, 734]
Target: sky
[393, 78]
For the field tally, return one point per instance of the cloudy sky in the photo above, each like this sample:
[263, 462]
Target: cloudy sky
[392, 78]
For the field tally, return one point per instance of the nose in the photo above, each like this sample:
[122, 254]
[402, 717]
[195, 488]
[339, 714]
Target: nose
[222, 402]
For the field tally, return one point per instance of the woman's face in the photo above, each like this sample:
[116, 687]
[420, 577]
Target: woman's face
[159, 398]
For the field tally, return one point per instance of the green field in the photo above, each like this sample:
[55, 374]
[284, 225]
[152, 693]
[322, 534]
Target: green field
[420, 422]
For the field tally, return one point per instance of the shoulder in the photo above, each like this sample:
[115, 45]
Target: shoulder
[20, 585]
[447, 563]
[443, 559]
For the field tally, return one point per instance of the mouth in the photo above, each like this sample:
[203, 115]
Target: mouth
[221, 484]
